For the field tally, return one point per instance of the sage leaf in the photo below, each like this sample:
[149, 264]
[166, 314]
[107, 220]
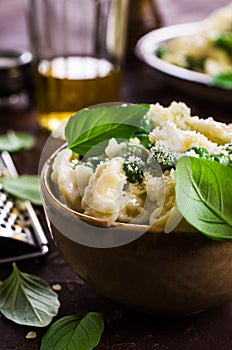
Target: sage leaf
[91, 127]
[27, 299]
[74, 332]
[25, 187]
[204, 196]
[16, 141]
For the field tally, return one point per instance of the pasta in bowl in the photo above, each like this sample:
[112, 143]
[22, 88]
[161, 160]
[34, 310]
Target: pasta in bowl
[136, 215]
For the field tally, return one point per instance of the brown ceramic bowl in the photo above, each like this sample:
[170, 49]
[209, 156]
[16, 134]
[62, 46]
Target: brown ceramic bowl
[173, 274]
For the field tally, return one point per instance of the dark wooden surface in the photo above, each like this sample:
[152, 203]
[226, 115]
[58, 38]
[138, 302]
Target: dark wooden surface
[125, 329]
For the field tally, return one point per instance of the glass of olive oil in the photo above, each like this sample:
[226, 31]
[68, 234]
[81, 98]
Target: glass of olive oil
[78, 49]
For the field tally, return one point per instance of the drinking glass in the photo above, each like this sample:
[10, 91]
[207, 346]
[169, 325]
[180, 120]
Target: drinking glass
[78, 48]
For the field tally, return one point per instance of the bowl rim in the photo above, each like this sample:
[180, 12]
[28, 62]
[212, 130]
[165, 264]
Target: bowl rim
[21, 58]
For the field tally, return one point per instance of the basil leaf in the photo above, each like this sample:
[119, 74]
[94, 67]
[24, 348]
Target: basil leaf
[27, 299]
[160, 52]
[91, 127]
[13, 142]
[195, 64]
[223, 80]
[25, 187]
[144, 140]
[224, 42]
[74, 332]
[203, 195]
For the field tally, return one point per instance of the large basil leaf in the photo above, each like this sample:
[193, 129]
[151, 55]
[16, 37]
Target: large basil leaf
[204, 196]
[27, 299]
[74, 332]
[91, 127]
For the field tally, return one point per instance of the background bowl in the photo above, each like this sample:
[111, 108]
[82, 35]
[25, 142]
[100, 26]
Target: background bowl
[191, 82]
[173, 274]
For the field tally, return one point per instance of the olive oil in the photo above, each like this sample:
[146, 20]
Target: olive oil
[68, 84]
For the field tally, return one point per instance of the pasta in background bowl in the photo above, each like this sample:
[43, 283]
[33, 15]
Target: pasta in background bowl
[115, 208]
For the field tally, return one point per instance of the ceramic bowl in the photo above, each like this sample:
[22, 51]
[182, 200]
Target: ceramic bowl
[173, 274]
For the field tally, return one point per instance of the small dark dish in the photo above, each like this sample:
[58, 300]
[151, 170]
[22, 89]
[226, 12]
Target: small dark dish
[15, 72]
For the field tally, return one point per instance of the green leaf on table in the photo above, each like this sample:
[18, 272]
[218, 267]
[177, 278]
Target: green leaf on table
[74, 332]
[27, 299]
[25, 187]
[223, 80]
[16, 141]
[204, 196]
[90, 128]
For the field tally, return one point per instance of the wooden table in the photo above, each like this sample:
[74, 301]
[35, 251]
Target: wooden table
[125, 329]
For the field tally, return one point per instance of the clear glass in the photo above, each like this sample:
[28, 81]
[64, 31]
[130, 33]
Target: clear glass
[78, 49]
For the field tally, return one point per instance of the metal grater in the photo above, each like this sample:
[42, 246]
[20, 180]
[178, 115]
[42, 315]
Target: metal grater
[21, 235]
